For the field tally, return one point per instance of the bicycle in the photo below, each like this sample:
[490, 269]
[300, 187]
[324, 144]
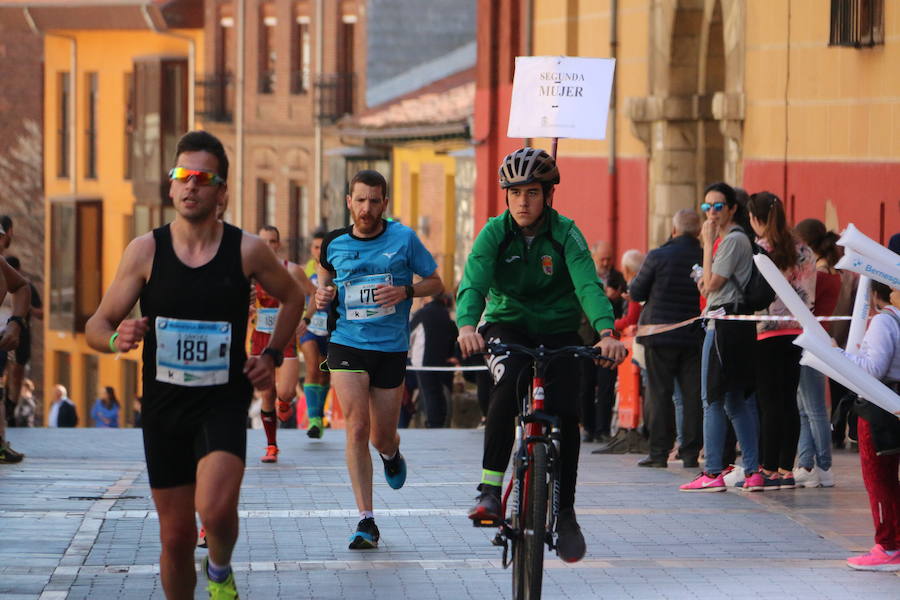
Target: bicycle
[533, 490]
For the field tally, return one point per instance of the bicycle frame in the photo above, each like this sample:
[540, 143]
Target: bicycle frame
[534, 427]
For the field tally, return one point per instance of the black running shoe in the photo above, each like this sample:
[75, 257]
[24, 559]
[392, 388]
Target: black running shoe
[366, 535]
[488, 507]
[8, 455]
[570, 541]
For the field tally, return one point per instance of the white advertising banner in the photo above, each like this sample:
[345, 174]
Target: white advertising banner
[561, 97]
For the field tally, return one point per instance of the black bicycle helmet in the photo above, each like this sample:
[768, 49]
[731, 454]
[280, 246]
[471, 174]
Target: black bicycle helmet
[528, 165]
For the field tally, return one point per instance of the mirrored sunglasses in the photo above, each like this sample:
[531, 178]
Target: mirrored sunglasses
[717, 206]
[201, 177]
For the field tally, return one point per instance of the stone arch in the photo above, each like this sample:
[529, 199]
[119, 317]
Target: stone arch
[297, 162]
[264, 158]
[692, 121]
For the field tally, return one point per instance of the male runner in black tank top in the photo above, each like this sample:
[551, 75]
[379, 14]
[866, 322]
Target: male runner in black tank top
[192, 279]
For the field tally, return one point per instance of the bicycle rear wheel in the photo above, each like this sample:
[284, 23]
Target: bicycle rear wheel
[528, 552]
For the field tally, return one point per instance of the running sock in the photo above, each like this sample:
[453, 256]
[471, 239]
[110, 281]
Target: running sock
[494, 478]
[366, 514]
[315, 399]
[391, 457]
[270, 424]
[217, 573]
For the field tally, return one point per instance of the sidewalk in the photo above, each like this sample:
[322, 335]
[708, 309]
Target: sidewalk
[76, 521]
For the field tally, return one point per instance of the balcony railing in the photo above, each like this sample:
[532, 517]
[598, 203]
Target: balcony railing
[334, 96]
[857, 23]
[300, 81]
[266, 82]
[215, 97]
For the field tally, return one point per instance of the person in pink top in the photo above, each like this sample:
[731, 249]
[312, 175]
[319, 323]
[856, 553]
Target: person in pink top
[777, 358]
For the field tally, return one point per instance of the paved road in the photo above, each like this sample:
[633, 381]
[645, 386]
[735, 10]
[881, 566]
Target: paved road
[76, 521]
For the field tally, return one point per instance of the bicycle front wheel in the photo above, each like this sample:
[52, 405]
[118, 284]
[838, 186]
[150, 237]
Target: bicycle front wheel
[528, 553]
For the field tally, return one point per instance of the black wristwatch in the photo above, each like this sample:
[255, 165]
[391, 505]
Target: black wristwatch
[277, 356]
[18, 320]
[307, 320]
[410, 292]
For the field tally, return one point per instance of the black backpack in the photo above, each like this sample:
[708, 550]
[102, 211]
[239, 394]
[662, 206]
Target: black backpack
[758, 294]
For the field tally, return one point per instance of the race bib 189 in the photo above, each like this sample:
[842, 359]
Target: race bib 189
[359, 297]
[265, 319]
[192, 353]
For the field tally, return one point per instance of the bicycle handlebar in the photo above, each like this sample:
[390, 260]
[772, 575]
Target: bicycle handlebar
[547, 354]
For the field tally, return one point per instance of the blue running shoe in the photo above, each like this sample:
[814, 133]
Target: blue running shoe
[395, 470]
[366, 535]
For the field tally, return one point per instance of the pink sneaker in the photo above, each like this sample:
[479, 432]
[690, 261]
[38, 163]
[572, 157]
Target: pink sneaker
[876, 560]
[704, 483]
[754, 483]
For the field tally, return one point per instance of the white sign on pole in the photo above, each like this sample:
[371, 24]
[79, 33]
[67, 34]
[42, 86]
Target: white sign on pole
[561, 97]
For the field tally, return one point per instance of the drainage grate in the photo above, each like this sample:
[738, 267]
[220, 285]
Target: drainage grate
[105, 498]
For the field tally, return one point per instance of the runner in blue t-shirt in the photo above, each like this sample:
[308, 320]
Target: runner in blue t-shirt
[366, 279]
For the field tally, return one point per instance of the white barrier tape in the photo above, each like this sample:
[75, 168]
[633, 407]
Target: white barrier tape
[452, 369]
[655, 328]
[774, 318]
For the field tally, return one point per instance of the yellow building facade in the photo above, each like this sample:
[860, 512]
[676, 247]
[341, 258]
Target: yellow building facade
[423, 182]
[102, 101]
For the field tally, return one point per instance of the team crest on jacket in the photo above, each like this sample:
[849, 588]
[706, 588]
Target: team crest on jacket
[547, 264]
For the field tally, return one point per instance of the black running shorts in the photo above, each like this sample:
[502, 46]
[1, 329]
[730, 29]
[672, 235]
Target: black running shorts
[172, 457]
[386, 369]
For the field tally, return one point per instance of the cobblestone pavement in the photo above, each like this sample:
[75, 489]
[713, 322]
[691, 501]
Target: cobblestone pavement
[76, 521]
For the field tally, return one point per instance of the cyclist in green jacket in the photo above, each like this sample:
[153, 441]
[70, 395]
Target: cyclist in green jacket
[533, 270]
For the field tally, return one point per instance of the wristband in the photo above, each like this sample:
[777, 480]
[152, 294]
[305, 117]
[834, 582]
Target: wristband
[307, 320]
[410, 292]
[18, 321]
[606, 334]
[112, 342]
[276, 355]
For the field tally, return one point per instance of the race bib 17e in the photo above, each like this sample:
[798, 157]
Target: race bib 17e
[359, 297]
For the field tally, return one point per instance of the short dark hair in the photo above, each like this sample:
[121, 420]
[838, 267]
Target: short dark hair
[371, 178]
[13, 261]
[318, 234]
[6, 222]
[203, 141]
[882, 291]
[272, 228]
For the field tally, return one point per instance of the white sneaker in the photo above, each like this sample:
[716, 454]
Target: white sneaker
[807, 479]
[735, 476]
[826, 478]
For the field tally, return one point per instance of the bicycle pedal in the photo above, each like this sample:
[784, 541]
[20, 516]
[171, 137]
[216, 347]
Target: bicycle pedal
[485, 523]
[498, 540]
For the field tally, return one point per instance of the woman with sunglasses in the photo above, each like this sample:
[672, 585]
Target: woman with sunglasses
[777, 358]
[727, 375]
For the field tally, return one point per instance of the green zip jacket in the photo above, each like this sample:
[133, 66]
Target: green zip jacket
[541, 288]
